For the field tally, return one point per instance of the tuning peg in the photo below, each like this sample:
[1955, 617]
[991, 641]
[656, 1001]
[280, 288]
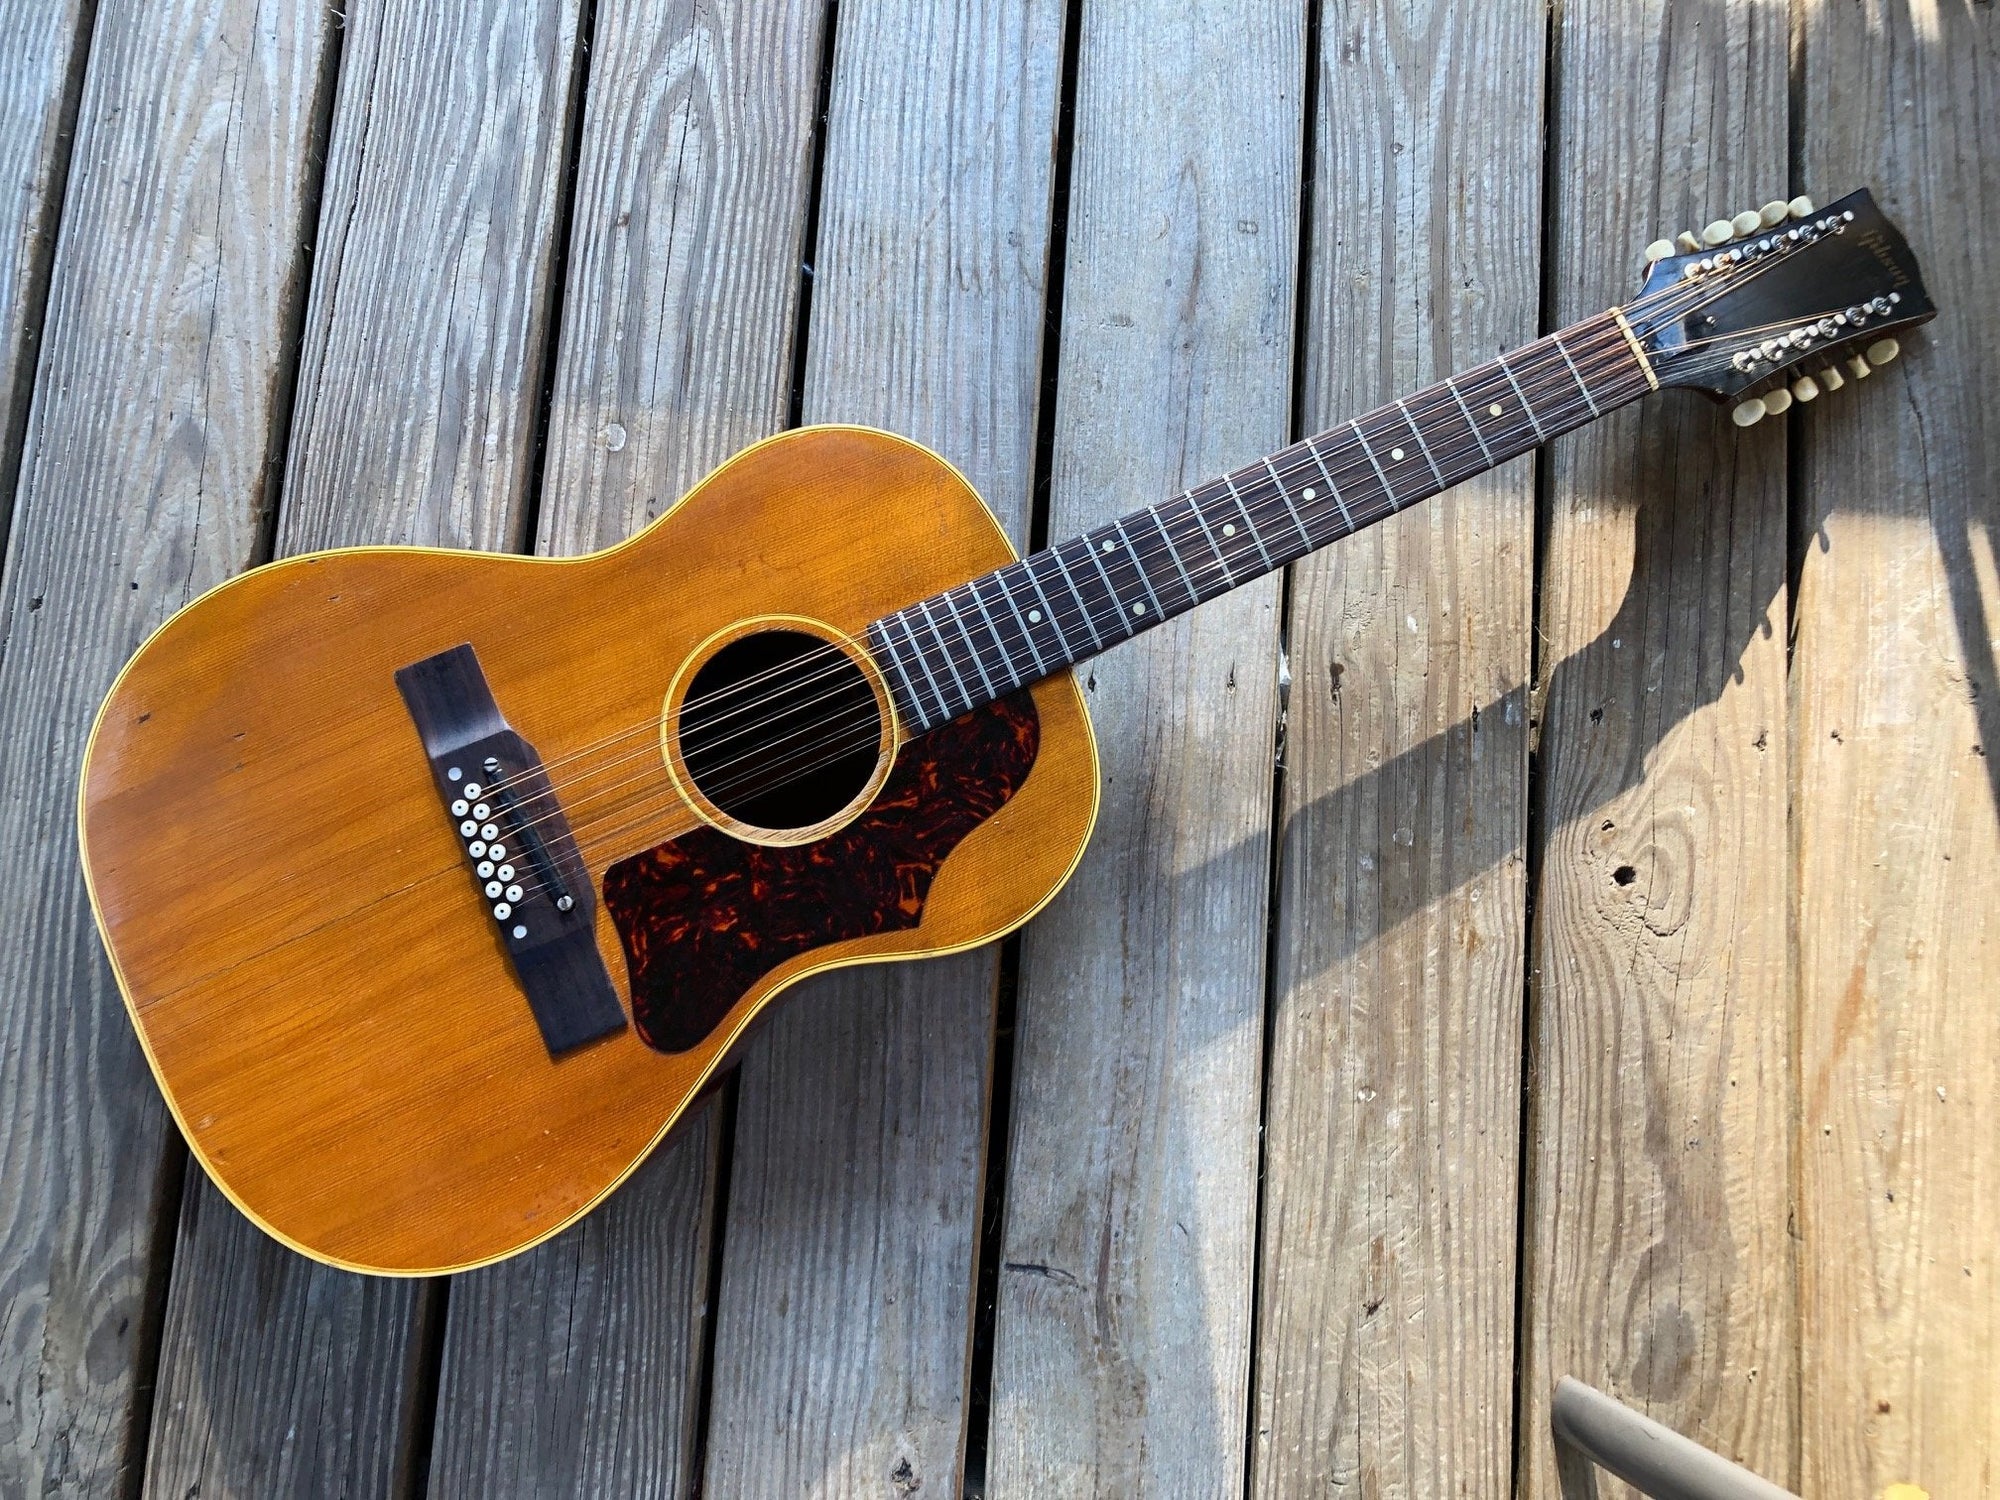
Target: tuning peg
[1747, 222]
[1799, 207]
[1748, 413]
[1882, 351]
[1806, 388]
[1690, 242]
[1773, 213]
[1859, 366]
[1777, 401]
[1659, 250]
[1721, 232]
[1831, 378]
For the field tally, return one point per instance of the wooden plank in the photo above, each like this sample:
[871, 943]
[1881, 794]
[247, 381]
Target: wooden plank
[1387, 1320]
[574, 1369]
[1659, 1259]
[1896, 710]
[844, 1311]
[1122, 1332]
[43, 44]
[422, 354]
[176, 281]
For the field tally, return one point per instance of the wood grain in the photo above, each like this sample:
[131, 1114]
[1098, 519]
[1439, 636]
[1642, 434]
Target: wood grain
[1659, 1261]
[574, 1369]
[1121, 1342]
[175, 281]
[842, 1346]
[1387, 1318]
[273, 990]
[1896, 713]
[687, 235]
[414, 412]
[43, 45]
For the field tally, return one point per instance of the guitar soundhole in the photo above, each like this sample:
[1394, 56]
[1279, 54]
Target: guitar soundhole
[780, 730]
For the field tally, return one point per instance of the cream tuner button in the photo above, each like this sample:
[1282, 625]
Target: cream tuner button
[1659, 250]
[1748, 413]
[1883, 350]
[1806, 388]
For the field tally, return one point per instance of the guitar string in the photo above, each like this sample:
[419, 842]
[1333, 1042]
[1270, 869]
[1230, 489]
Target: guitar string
[866, 712]
[836, 733]
[1648, 305]
[784, 756]
[1594, 345]
[1352, 469]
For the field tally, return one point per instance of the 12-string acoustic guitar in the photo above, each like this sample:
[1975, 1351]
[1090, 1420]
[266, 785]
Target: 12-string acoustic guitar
[439, 884]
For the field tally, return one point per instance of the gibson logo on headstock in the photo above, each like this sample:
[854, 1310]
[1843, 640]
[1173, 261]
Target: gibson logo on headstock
[1877, 245]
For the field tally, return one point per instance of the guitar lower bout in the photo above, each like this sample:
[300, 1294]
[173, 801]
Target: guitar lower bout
[335, 1013]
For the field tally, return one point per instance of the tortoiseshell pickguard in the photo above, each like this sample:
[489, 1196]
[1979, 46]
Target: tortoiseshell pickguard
[704, 916]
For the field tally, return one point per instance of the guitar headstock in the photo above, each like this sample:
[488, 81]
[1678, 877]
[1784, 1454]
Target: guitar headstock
[1778, 303]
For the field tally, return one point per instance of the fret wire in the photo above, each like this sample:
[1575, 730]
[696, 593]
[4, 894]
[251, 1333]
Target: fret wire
[1304, 535]
[1158, 612]
[1477, 436]
[1331, 488]
[1501, 361]
[1375, 463]
[1049, 609]
[1422, 446]
[1228, 575]
[993, 631]
[1577, 375]
[945, 647]
[889, 650]
[1110, 588]
[1082, 604]
[1000, 578]
[924, 661]
[1194, 598]
[971, 641]
[1254, 535]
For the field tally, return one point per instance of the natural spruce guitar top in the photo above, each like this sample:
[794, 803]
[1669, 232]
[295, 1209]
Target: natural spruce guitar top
[439, 884]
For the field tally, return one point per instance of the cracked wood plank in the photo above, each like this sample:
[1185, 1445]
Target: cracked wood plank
[1896, 711]
[1386, 1328]
[417, 387]
[846, 1298]
[573, 1369]
[43, 45]
[1659, 1259]
[1122, 1331]
[144, 474]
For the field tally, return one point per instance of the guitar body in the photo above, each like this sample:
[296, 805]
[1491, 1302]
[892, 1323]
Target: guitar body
[324, 992]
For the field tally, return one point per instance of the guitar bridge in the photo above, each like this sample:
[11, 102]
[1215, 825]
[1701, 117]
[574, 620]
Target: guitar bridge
[517, 846]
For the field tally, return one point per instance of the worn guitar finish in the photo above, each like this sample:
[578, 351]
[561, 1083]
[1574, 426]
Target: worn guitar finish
[439, 884]
[337, 1026]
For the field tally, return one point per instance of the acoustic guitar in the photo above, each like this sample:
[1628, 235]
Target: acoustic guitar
[440, 884]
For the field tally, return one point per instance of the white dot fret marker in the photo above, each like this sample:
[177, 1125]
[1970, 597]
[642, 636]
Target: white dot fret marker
[1138, 609]
[1493, 410]
[1108, 544]
[1229, 528]
[1396, 455]
[1034, 617]
[1309, 492]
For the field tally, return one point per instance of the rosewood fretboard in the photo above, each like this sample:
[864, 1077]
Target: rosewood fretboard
[948, 654]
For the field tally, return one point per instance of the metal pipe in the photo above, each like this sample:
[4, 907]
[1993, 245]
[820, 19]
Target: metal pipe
[1656, 1460]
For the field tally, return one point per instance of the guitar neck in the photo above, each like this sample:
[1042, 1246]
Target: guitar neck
[946, 655]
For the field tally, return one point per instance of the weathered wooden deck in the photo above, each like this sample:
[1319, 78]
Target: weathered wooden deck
[1603, 982]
